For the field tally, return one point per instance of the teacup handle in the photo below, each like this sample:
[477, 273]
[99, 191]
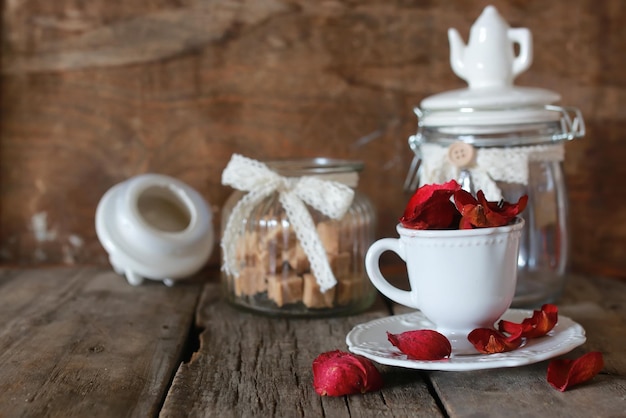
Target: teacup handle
[372, 267]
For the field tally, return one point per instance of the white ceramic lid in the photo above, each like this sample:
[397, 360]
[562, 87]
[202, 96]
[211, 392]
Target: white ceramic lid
[489, 66]
[155, 227]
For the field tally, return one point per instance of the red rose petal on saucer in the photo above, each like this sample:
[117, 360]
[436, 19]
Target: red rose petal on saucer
[563, 373]
[337, 373]
[543, 321]
[423, 344]
[538, 325]
[490, 341]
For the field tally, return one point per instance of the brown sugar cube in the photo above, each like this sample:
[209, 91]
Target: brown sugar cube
[338, 236]
[349, 290]
[268, 257]
[267, 260]
[340, 264]
[329, 235]
[276, 245]
[279, 236]
[251, 281]
[269, 234]
[312, 297]
[348, 234]
[246, 248]
[297, 259]
[284, 290]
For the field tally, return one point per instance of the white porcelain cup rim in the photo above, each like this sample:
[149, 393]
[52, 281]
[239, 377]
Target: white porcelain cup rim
[517, 224]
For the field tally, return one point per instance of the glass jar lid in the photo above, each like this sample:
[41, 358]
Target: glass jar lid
[489, 65]
[319, 166]
[504, 105]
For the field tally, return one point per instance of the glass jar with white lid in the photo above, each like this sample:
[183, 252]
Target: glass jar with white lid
[268, 241]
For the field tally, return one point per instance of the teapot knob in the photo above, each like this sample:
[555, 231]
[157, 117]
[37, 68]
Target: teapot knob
[488, 59]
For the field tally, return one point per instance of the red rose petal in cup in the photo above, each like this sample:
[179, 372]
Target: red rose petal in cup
[490, 341]
[479, 213]
[337, 373]
[563, 373]
[423, 344]
[538, 325]
[430, 207]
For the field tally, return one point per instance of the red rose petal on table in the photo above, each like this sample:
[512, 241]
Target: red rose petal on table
[538, 325]
[563, 373]
[338, 373]
[423, 344]
[430, 207]
[490, 341]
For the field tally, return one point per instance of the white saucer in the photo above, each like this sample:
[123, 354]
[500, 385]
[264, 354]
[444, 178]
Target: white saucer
[370, 340]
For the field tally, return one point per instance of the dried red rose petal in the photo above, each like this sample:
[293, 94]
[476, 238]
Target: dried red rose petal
[430, 207]
[479, 213]
[490, 341]
[337, 373]
[563, 373]
[423, 344]
[538, 325]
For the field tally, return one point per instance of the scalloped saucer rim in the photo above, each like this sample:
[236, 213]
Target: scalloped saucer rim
[369, 339]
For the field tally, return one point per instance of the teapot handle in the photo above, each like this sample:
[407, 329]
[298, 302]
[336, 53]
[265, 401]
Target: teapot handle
[523, 37]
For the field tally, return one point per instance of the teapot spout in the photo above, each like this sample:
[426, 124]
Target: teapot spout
[457, 53]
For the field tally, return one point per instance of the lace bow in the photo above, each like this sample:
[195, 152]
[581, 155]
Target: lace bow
[331, 198]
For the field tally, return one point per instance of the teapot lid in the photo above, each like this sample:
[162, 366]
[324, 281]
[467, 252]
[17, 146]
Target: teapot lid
[489, 65]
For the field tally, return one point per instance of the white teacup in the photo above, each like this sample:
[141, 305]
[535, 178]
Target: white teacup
[460, 279]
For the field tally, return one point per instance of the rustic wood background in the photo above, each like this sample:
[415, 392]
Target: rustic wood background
[96, 92]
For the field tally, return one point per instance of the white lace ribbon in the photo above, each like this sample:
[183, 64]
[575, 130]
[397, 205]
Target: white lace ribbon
[491, 165]
[331, 198]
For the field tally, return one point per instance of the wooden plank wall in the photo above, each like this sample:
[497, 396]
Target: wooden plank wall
[95, 92]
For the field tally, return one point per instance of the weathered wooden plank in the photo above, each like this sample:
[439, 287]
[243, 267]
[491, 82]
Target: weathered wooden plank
[524, 392]
[82, 342]
[250, 365]
[153, 36]
[79, 342]
[599, 305]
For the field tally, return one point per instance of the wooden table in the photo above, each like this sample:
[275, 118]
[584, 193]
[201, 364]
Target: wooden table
[81, 342]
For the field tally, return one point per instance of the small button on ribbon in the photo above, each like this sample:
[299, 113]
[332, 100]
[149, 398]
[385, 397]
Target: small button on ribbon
[461, 154]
